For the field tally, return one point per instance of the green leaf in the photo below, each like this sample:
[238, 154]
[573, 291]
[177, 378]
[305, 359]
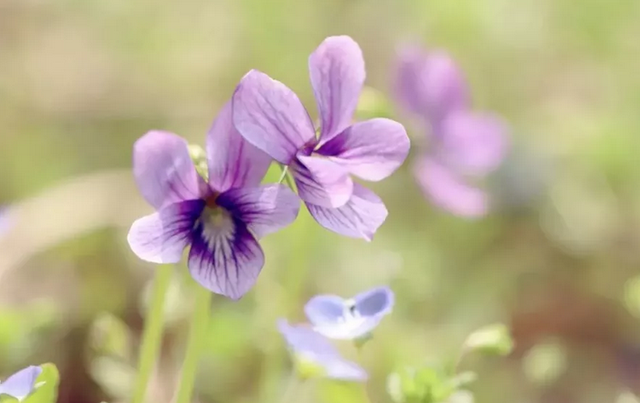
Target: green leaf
[423, 385]
[491, 339]
[46, 386]
[463, 379]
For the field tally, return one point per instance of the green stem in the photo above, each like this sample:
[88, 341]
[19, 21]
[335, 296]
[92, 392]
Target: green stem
[285, 176]
[152, 333]
[285, 169]
[199, 322]
[291, 389]
[458, 360]
[290, 183]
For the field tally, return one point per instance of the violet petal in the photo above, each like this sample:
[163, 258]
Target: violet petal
[429, 84]
[321, 181]
[225, 257]
[271, 117]
[164, 171]
[263, 209]
[360, 217]
[337, 75]
[161, 237]
[232, 161]
[448, 191]
[372, 149]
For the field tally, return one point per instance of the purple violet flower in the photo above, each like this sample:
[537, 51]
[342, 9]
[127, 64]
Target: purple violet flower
[221, 220]
[271, 117]
[464, 145]
[21, 384]
[355, 318]
[314, 352]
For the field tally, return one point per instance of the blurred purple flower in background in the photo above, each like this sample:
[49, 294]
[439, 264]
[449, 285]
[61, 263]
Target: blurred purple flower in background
[271, 117]
[337, 318]
[21, 384]
[464, 146]
[5, 221]
[312, 349]
[221, 220]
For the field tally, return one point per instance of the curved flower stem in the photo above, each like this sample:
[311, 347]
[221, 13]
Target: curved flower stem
[152, 333]
[198, 328]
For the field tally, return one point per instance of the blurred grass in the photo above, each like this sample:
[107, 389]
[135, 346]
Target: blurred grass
[81, 80]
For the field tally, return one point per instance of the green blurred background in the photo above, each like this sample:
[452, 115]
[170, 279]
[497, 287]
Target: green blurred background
[81, 80]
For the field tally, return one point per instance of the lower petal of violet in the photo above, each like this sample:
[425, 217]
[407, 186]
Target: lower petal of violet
[225, 257]
[448, 191]
[360, 217]
[21, 384]
[161, 237]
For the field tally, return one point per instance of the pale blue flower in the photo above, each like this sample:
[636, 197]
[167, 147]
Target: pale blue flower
[337, 318]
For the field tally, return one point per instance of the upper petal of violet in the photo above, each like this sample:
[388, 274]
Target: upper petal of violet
[372, 149]
[232, 161]
[429, 84]
[360, 217]
[21, 384]
[321, 181]
[164, 171]
[264, 209]
[337, 74]
[271, 117]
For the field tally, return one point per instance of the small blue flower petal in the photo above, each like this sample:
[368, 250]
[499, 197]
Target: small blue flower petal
[21, 384]
[378, 301]
[312, 347]
[325, 309]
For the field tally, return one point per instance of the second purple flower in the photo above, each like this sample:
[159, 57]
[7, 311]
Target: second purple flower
[271, 117]
[464, 145]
